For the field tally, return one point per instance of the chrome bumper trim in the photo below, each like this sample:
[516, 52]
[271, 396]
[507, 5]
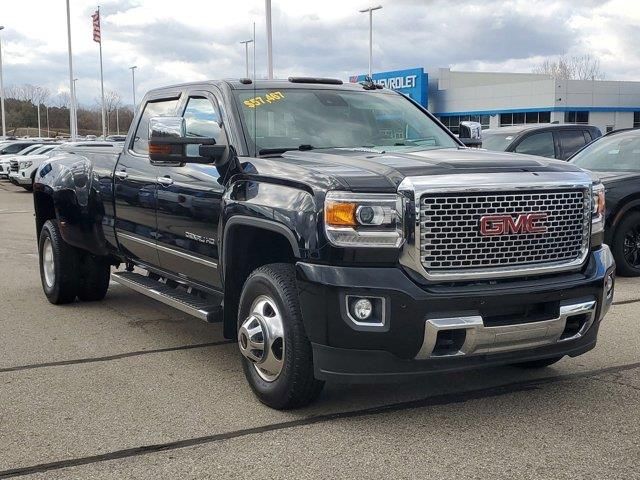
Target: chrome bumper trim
[480, 339]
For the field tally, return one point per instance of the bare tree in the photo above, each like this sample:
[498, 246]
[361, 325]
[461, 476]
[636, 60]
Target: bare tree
[63, 99]
[581, 67]
[112, 102]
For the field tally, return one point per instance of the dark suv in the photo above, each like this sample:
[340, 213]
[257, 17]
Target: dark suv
[551, 141]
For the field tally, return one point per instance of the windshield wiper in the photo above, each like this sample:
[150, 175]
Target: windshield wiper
[274, 151]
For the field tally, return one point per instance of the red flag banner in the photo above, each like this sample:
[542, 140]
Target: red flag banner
[96, 26]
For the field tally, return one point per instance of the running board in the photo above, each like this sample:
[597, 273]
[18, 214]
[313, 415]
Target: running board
[198, 307]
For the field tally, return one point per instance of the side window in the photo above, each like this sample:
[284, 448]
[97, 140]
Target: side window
[161, 108]
[571, 141]
[202, 120]
[540, 144]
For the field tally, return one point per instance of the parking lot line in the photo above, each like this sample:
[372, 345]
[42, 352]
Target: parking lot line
[430, 401]
[113, 357]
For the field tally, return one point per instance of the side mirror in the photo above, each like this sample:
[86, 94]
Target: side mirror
[168, 143]
[471, 133]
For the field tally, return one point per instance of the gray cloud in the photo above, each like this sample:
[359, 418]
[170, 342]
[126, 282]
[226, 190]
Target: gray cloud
[407, 33]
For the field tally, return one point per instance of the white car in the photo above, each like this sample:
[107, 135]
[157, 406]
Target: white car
[23, 168]
[5, 160]
[28, 165]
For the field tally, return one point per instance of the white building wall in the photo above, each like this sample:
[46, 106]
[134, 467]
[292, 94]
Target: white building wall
[487, 92]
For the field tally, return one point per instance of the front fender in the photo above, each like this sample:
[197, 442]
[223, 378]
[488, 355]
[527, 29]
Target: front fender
[68, 183]
[293, 211]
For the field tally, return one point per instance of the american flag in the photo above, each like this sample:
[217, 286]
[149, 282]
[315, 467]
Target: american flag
[96, 26]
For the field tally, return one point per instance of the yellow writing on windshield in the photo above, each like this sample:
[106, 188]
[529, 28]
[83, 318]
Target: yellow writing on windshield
[263, 99]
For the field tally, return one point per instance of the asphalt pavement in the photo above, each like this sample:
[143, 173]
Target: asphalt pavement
[130, 388]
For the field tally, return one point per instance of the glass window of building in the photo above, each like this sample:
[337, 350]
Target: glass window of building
[576, 117]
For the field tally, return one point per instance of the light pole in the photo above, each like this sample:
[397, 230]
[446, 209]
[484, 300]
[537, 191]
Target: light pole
[48, 133]
[72, 111]
[267, 7]
[370, 11]
[246, 54]
[133, 84]
[4, 126]
[74, 102]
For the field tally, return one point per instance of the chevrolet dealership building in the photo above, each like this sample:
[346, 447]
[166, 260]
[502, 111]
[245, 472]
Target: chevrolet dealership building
[504, 99]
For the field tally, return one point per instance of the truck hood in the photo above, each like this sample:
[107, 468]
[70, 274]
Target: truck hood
[362, 170]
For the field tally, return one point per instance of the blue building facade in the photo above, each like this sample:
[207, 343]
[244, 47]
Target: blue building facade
[413, 82]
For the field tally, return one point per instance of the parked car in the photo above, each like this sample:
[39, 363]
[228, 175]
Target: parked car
[13, 147]
[348, 235]
[29, 164]
[543, 140]
[615, 160]
[5, 160]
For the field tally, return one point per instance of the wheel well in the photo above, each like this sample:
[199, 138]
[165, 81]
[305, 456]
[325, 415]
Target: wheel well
[44, 208]
[247, 248]
[612, 227]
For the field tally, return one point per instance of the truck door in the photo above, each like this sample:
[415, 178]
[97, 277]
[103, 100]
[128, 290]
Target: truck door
[135, 188]
[189, 199]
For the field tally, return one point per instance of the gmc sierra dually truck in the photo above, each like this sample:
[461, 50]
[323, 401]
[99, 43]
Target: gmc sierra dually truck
[339, 233]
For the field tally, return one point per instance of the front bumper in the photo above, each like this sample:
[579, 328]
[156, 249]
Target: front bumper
[484, 323]
[13, 177]
[22, 178]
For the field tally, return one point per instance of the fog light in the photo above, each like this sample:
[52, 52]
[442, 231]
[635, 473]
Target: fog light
[362, 309]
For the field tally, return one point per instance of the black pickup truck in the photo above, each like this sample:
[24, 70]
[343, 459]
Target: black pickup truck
[339, 233]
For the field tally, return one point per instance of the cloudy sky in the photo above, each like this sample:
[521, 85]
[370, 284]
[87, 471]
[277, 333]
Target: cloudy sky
[184, 40]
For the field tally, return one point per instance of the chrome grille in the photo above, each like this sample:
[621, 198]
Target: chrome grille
[14, 166]
[450, 236]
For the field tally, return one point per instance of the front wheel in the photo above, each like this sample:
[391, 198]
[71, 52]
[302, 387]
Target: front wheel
[277, 357]
[626, 245]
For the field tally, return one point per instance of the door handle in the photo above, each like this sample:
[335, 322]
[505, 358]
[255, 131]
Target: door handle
[166, 181]
[121, 174]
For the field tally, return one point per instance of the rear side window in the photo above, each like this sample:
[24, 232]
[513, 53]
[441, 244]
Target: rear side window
[540, 144]
[159, 108]
[571, 141]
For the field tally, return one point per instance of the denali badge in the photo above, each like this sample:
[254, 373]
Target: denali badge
[491, 225]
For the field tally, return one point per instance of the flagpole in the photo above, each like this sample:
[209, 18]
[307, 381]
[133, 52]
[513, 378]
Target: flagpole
[104, 125]
[72, 111]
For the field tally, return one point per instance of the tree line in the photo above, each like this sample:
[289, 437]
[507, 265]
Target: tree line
[21, 109]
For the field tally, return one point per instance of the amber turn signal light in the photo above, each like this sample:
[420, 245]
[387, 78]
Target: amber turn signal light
[340, 214]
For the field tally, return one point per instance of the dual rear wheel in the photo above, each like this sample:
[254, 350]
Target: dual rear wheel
[68, 273]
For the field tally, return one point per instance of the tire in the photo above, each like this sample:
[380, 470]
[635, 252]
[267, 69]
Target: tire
[294, 385]
[627, 233]
[95, 273]
[545, 362]
[58, 265]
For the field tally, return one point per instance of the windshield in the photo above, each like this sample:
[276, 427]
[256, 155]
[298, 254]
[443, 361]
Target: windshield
[498, 142]
[620, 152]
[288, 119]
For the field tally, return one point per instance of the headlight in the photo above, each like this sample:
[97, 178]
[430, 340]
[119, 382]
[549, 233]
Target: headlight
[363, 219]
[25, 164]
[597, 208]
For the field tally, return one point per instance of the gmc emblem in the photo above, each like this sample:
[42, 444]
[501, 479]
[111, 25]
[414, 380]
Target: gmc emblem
[491, 225]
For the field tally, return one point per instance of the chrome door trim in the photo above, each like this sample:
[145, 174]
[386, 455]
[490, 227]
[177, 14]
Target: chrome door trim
[177, 253]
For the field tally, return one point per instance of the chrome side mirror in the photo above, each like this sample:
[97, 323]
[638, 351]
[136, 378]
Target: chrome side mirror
[168, 142]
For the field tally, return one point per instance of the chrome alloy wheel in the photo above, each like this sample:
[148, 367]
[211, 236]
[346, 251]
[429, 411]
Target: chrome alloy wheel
[261, 338]
[48, 265]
